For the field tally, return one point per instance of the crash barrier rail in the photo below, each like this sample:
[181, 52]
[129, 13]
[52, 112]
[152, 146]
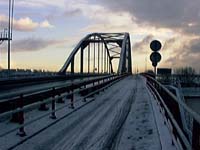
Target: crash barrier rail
[16, 82]
[30, 96]
[68, 91]
[170, 107]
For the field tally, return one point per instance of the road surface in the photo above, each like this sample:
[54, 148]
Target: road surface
[121, 118]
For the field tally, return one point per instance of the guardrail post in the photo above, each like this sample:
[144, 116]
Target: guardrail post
[72, 97]
[21, 131]
[84, 86]
[53, 105]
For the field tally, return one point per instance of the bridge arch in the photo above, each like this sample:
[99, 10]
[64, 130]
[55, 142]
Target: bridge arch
[105, 44]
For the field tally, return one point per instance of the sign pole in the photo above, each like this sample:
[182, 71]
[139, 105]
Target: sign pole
[9, 21]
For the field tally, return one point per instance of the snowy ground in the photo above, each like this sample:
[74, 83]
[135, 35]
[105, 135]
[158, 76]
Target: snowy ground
[121, 118]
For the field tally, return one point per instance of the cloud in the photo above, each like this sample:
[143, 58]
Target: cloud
[180, 15]
[168, 43]
[46, 24]
[142, 46]
[194, 46]
[33, 44]
[25, 24]
[40, 3]
[183, 52]
[72, 12]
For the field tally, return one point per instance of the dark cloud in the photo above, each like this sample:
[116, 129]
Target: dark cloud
[194, 46]
[73, 12]
[180, 15]
[187, 54]
[169, 43]
[32, 44]
[141, 46]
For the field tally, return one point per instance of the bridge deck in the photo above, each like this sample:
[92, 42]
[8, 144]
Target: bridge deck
[121, 118]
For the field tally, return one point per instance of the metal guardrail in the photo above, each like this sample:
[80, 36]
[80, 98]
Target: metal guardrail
[101, 84]
[31, 96]
[12, 82]
[185, 118]
[171, 106]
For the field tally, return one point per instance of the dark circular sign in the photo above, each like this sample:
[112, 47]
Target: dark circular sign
[155, 57]
[155, 45]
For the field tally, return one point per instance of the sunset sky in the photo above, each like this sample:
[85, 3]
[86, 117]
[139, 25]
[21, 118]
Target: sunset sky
[45, 31]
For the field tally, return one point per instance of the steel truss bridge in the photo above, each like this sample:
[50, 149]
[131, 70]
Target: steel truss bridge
[101, 50]
[97, 62]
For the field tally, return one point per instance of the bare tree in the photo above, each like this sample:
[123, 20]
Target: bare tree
[186, 75]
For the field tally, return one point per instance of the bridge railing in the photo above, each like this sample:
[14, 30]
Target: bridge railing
[10, 101]
[13, 82]
[55, 94]
[171, 109]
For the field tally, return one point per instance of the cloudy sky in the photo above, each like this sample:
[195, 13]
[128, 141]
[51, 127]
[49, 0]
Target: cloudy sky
[46, 31]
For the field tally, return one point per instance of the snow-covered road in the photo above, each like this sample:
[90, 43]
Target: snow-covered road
[92, 127]
[121, 118]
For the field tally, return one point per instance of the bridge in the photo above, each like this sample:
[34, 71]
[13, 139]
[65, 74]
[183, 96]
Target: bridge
[95, 102]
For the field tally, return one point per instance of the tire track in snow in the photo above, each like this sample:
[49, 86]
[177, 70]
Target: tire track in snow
[96, 131]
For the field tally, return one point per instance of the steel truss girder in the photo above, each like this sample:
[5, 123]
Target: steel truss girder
[121, 39]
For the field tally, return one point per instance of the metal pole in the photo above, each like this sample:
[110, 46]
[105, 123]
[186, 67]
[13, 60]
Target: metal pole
[102, 58]
[53, 105]
[9, 21]
[12, 16]
[107, 64]
[81, 62]
[94, 56]
[98, 56]
[21, 131]
[89, 58]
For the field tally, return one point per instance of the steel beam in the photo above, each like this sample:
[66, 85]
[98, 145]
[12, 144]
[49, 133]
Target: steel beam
[72, 65]
[81, 60]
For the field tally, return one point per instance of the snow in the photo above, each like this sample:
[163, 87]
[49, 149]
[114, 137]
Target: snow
[139, 131]
[165, 135]
[120, 118]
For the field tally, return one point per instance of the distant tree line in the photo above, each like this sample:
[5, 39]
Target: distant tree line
[25, 72]
[186, 76]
